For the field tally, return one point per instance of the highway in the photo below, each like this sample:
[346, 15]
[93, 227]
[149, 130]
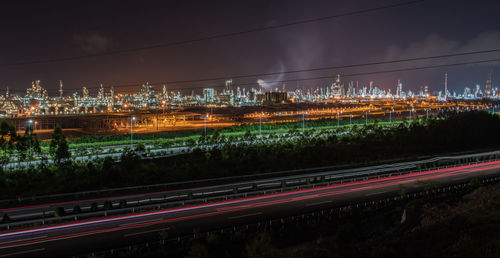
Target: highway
[46, 209]
[111, 232]
[177, 193]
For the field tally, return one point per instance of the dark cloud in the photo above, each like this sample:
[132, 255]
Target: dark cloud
[92, 43]
[435, 44]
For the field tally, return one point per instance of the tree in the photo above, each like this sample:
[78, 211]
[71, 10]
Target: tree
[26, 143]
[4, 129]
[59, 148]
[215, 136]
[123, 203]
[108, 205]
[108, 163]
[36, 145]
[6, 218]
[12, 136]
[59, 212]
[247, 135]
[22, 147]
[140, 148]
[4, 159]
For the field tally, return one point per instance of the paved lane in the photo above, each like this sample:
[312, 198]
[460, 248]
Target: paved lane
[85, 236]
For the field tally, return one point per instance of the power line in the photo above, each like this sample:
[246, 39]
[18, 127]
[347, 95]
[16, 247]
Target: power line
[344, 75]
[386, 71]
[362, 73]
[306, 70]
[327, 67]
[215, 36]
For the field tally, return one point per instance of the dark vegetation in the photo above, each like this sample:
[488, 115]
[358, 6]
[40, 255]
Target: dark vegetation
[450, 132]
[11, 142]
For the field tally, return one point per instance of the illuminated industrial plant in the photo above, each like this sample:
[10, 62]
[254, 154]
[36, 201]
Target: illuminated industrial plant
[37, 102]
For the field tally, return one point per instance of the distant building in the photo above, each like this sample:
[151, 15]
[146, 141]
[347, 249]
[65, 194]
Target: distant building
[276, 97]
[209, 95]
[337, 89]
[36, 93]
[229, 85]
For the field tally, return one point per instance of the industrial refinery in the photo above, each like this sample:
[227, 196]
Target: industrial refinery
[37, 102]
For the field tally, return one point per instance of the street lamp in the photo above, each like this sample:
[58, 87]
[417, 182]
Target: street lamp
[132, 119]
[366, 116]
[205, 125]
[427, 113]
[350, 119]
[260, 126]
[390, 115]
[30, 122]
[411, 110]
[303, 118]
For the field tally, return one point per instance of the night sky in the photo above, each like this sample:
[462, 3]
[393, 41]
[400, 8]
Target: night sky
[41, 30]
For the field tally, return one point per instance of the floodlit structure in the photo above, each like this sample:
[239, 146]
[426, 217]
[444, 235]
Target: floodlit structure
[37, 101]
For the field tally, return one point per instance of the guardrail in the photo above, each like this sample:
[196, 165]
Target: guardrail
[243, 177]
[334, 212]
[238, 190]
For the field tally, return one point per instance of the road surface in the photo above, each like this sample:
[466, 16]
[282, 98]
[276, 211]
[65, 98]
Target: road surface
[47, 209]
[111, 232]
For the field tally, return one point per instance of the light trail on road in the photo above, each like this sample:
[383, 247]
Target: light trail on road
[60, 232]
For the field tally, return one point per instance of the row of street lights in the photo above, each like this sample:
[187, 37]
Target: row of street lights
[133, 118]
[205, 117]
[390, 115]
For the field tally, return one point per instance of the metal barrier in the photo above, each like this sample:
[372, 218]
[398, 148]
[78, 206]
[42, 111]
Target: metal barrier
[244, 189]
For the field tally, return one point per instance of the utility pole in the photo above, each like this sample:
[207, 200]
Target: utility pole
[205, 135]
[260, 126]
[30, 122]
[132, 119]
[303, 118]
